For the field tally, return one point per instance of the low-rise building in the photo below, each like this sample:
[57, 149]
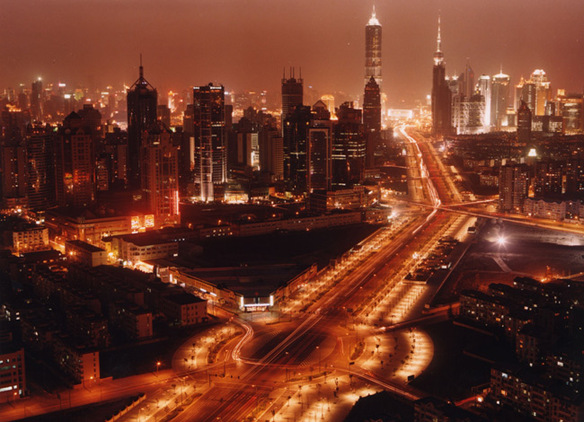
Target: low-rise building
[12, 372]
[85, 253]
[133, 320]
[526, 393]
[143, 247]
[77, 362]
[184, 309]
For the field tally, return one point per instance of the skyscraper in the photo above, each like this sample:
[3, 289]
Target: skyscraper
[160, 174]
[40, 168]
[75, 179]
[484, 88]
[36, 100]
[296, 126]
[292, 94]
[319, 149]
[210, 142]
[142, 100]
[499, 99]
[524, 116]
[542, 91]
[348, 147]
[373, 49]
[441, 94]
[371, 119]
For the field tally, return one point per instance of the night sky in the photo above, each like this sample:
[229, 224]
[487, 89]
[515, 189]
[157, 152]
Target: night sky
[244, 44]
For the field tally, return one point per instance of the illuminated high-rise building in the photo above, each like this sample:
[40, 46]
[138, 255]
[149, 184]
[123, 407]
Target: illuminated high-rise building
[349, 147]
[466, 81]
[542, 91]
[160, 174]
[524, 117]
[371, 119]
[373, 49]
[292, 94]
[75, 163]
[142, 101]
[209, 139]
[499, 99]
[484, 89]
[40, 170]
[319, 149]
[36, 100]
[295, 128]
[441, 94]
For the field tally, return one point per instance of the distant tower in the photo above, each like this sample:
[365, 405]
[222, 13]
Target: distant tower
[210, 142]
[142, 100]
[292, 94]
[523, 123]
[373, 49]
[36, 100]
[441, 94]
[484, 88]
[499, 99]
[542, 91]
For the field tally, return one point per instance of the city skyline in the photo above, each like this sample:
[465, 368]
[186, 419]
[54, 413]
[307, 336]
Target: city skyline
[326, 41]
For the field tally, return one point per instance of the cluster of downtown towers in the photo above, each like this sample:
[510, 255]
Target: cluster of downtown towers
[310, 148]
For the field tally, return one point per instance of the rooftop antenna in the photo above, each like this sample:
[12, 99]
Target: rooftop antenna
[141, 68]
[301, 72]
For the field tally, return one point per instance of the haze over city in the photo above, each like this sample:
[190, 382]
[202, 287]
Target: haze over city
[291, 210]
[245, 44]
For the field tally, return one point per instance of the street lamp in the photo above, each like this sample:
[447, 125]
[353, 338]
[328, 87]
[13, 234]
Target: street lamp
[158, 363]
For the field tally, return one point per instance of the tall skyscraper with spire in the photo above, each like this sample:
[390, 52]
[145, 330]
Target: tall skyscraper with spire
[142, 100]
[441, 94]
[373, 49]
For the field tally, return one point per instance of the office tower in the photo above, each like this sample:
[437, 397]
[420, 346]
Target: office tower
[319, 149]
[466, 81]
[36, 100]
[295, 128]
[74, 163]
[210, 143]
[116, 150]
[499, 100]
[142, 101]
[441, 94]
[373, 49]
[160, 174]
[572, 112]
[271, 153]
[349, 147]
[372, 107]
[513, 187]
[163, 113]
[484, 89]
[40, 172]
[468, 114]
[292, 94]
[329, 100]
[524, 116]
[542, 91]
[527, 94]
[371, 119]
[13, 171]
